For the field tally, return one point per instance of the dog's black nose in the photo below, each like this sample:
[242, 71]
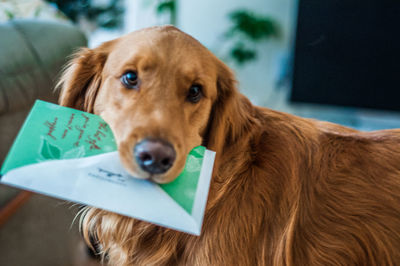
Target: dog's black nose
[154, 156]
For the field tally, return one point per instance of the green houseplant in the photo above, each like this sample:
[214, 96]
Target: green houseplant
[247, 30]
[167, 7]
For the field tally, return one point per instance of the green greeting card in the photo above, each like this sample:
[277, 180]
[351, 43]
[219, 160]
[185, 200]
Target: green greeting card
[58, 143]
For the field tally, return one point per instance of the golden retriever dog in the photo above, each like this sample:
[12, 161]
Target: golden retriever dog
[285, 190]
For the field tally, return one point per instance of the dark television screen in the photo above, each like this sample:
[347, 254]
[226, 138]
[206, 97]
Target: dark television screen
[348, 53]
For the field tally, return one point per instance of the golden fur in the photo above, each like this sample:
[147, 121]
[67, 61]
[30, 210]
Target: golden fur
[285, 190]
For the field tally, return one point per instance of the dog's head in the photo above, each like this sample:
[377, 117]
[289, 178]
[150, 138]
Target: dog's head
[159, 90]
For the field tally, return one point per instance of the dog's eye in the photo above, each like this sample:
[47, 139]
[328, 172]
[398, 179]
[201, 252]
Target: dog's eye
[130, 79]
[195, 93]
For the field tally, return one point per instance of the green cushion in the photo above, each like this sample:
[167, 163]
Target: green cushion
[32, 54]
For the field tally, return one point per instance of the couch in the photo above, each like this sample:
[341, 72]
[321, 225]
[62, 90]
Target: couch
[32, 53]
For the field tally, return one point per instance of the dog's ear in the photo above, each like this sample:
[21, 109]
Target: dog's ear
[230, 114]
[81, 78]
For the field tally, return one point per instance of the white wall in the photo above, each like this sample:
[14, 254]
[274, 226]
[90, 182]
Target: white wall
[207, 20]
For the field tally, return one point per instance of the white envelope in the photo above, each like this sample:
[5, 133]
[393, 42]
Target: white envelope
[102, 182]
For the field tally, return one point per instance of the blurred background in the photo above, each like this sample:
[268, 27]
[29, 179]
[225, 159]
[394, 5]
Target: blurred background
[330, 60]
